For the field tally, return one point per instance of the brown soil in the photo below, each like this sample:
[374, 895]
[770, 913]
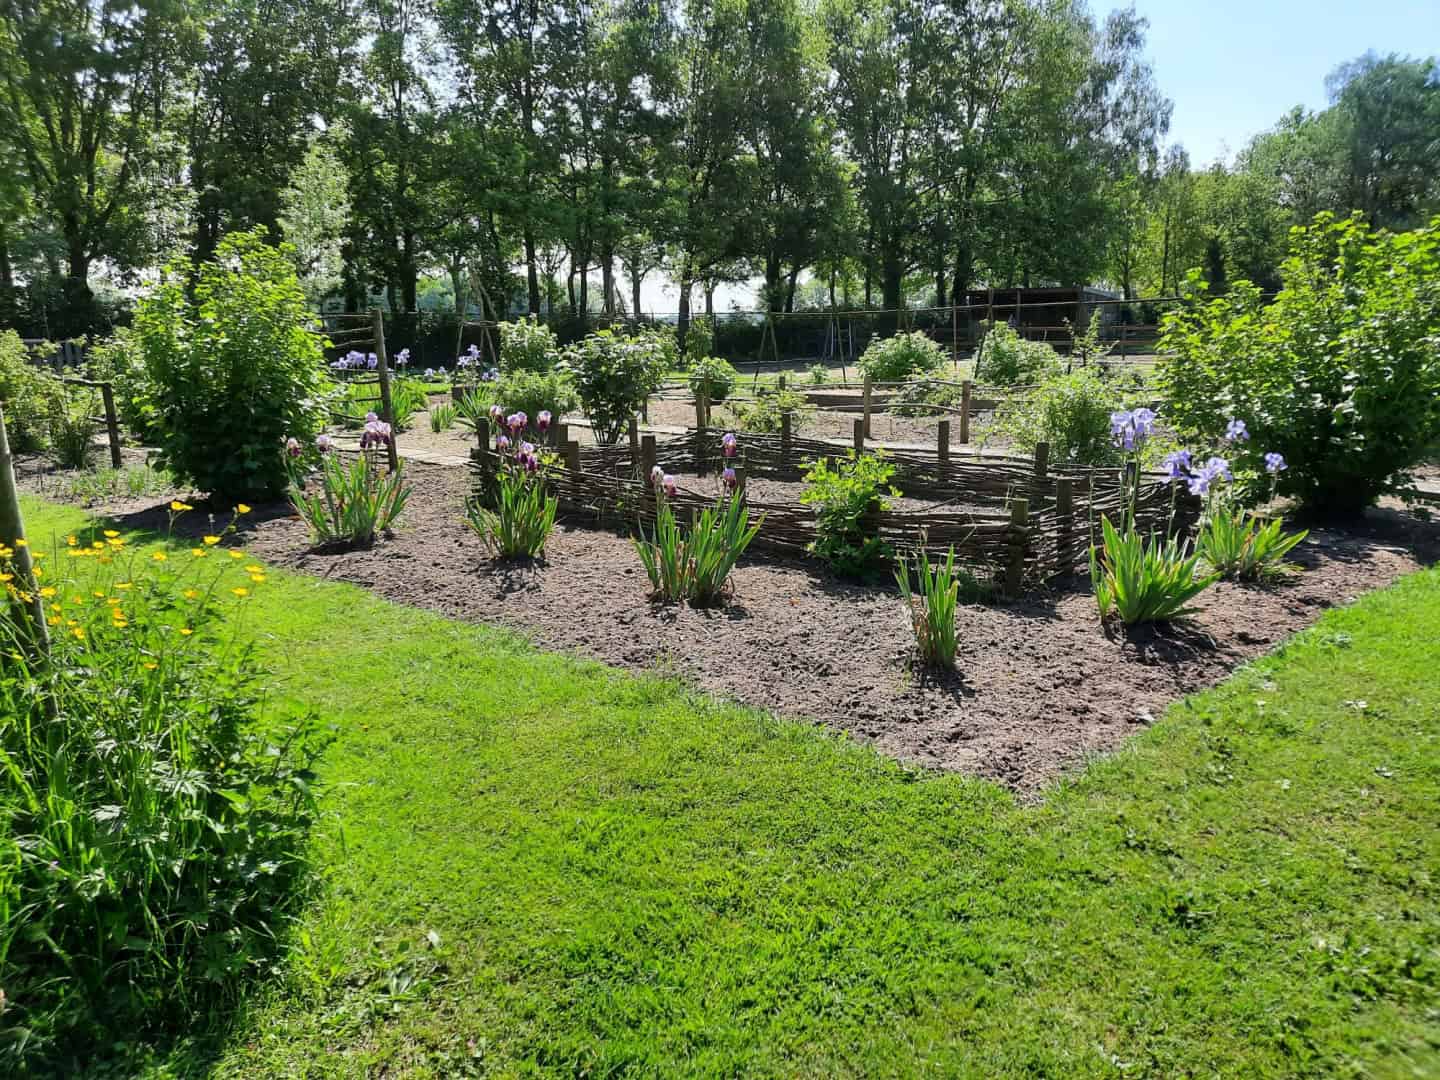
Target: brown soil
[1039, 685]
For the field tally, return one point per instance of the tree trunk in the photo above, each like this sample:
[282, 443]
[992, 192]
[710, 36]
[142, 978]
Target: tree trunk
[7, 271]
[635, 278]
[607, 277]
[891, 286]
[772, 280]
[682, 321]
[790, 289]
[532, 276]
[710, 299]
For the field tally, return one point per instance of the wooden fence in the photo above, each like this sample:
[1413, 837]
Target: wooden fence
[1015, 518]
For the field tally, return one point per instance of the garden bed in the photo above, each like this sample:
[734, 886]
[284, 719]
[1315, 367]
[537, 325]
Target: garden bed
[1039, 685]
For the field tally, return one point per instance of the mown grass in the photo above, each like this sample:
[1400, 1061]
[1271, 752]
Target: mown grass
[536, 865]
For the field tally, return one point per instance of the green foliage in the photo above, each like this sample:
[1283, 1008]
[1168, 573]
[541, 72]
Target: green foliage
[32, 397]
[767, 412]
[1236, 545]
[615, 376]
[717, 377]
[932, 618]
[699, 340]
[522, 518]
[154, 812]
[349, 504]
[527, 344]
[1007, 359]
[694, 566]
[818, 374]
[900, 357]
[232, 368]
[1144, 581]
[72, 431]
[442, 416]
[101, 485]
[925, 397]
[357, 400]
[117, 360]
[847, 497]
[1070, 411]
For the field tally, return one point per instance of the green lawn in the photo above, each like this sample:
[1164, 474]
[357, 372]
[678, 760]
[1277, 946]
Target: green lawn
[538, 865]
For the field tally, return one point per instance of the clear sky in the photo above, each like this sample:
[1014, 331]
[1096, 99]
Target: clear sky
[1233, 67]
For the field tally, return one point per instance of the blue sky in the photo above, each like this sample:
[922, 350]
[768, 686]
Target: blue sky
[1234, 67]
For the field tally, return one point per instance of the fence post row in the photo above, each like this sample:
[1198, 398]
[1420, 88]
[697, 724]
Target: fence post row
[382, 369]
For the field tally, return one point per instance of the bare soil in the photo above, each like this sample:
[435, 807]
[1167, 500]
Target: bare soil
[1039, 685]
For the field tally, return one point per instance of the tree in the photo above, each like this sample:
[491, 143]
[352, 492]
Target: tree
[314, 213]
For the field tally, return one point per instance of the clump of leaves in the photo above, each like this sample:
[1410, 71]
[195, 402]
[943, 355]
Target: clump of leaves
[694, 564]
[32, 396]
[1070, 411]
[1236, 545]
[1142, 580]
[715, 376]
[926, 397]
[766, 413]
[848, 496]
[513, 513]
[1007, 359]
[894, 359]
[350, 504]
[932, 613]
[442, 416]
[527, 344]
[818, 374]
[72, 432]
[614, 376]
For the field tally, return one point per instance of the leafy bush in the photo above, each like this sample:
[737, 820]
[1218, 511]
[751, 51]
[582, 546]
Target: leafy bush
[665, 343]
[933, 618]
[354, 502]
[847, 497]
[32, 397]
[356, 401]
[442, 416]
[514, 516]
[528, 345]
[232, 367]
[699, 339]
[766, 413]
[72, 432]
[819, 374]
[694, 566]
[1338, 373]
[1071, 412]
[533, 393]
[1007, 359]
[896, 358]
[1144, 581]
[154, 812]
[716, 376]
[920, 396]
[614, 376]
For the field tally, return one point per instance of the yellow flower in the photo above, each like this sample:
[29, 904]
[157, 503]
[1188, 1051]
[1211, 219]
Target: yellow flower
[177, 506]
[99, 544]
[119, 624]
[191, 594]
[150, 665]
[7, 577]
[111, 534]
[115, 543]
[72, 540]
[38, 572]
[253, 569]
[258, 579]
[54, 620]
[199, 553]
[241, 508]
[159, 556]
[22, 542]
[123, 585]
[48, 591]
[79, 634]
[185, 631]
[98, 594]
[236, 554]
[212, 539]
[240, 590]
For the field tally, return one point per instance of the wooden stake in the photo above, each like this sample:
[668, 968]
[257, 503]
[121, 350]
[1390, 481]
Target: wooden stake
[634, 434]
[559, 434]
[12, 535]
[868, 391]
[966, 390]
[387, 409]
[942, 441]
[1065, 524]
[702, 416]
[859, 437]
[1042, 461]
[1019, 525]
[647, 457]
[572, 459]
[112, 422]
[785, 438]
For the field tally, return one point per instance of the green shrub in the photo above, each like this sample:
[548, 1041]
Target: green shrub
[1071, 412]
[699, 339]
[614, 376]
[920, 397]
[1144, 581]
[694, 566]
[1338, 373]
[232, 367]
[765, 414]
[72, 431]
[31, 396]
[932, 619]
[1236, 545]
[154, 811]
[528, 345]
[717, 376]
[819, 374]
[1007, 359]
[894, 359]
[533, 393]
[847, 496]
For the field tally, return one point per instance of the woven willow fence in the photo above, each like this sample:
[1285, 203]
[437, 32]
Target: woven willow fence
[1015, 518]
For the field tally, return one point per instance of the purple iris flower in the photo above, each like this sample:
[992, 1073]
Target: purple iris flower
[1218, 468]
[502, 443]
[1275, 463]
[1143, 421]
[729, 444]
[543, 420]
[497, 414]
[372, 361]
[402, 358]
[729, 479]
[376, 433]
[517, 421]
[657, 476]
[669, 484]
[1235, 432]
[292, 446]
[1119, 421]
[1178, 463]
[324, 443]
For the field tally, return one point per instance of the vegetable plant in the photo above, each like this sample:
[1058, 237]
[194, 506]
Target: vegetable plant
[766, 414]
[847, 496]
[527, 344]
[1007, 359]
[896, 358]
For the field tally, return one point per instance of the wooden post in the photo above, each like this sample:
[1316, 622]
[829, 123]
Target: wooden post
[867, 392]
[740, 480]
[1019, 536]
[647, 457]
[966, 390]
[1042, 461]
[785, 438]
[382, 369]
[634, 434]
[702, 416]
[942, 441]
[112, 422]
[12, 535]
[572, 459]
[859, 437]
[780, 381]
[482, 433]
[559, 434]
[1065, 520]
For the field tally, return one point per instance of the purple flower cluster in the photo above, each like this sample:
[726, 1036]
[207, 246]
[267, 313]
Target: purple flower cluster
[292, 447]
[1131, 427]
[324, 443]
[376, 433]
[358, 361]
[729, 479]
[729, 445]
[1235, 432]
[1201, 478]
[402, 358]
[470, 358]
[1275, 463]
[1213, 470]
[660, 480]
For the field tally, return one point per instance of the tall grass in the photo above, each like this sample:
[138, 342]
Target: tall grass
[695, 565]
[932, 614]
